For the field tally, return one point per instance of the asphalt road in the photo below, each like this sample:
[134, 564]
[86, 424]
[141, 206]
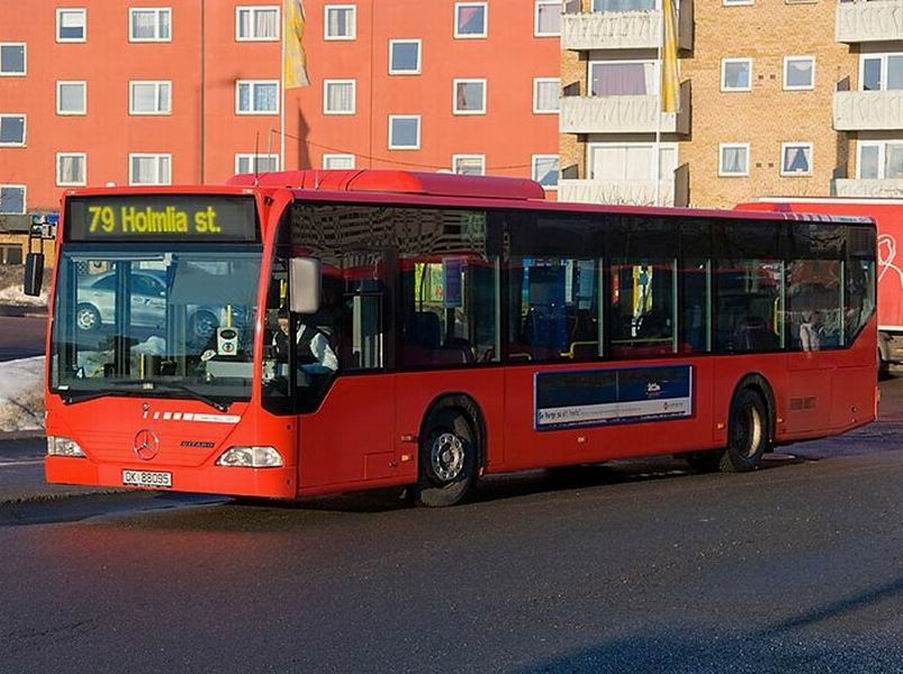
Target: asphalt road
[21, 337]
[634, 567]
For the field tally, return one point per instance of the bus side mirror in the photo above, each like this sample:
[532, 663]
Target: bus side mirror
[34, 274]
[304, 285]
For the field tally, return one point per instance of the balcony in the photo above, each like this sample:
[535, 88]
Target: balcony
[624, 114]
[639, 29]
[674, 192]
[891, 187]
[873, 21]
[868, 110]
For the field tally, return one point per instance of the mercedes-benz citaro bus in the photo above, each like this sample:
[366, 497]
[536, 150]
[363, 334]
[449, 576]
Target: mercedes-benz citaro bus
[369, 329]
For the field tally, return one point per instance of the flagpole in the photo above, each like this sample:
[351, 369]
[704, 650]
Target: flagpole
[282, 95]
[659, 113]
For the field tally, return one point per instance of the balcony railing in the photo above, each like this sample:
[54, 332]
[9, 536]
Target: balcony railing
[624, 114]
[891, 187]
[872, 21]
[673, 192]
[868, 110]
[631, 29]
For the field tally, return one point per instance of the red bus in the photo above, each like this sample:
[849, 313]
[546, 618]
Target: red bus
[318, 332]
[888, 215]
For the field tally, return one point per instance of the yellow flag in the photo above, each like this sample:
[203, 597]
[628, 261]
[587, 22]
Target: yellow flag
[295, 60]
[670, 79]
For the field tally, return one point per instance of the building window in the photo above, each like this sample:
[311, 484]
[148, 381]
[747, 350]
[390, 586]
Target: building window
[256, 163]
[630, 163]
[734, 159]
[71, 25]
[623, 78]
[339, 97]
[470, 97]
[257, 97]
[796, 159]
[880, 160]
[12, 199]
[548, 18]
[150, 169]
[257, 24]
[738, 3]
[471, 20]
[404, 57]
[469, 164]
[545, 170]
[881, 72]
[150, 24]
[12, 59]
[71, 98]
[12, 130]
[545, 95]
[736, 74]
[404, 132]
[338, 161]
[71, 169]
[11, 254]
[341, 22]
[150, 98]
[799, 73]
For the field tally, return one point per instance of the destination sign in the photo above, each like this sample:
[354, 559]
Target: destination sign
[192, 218]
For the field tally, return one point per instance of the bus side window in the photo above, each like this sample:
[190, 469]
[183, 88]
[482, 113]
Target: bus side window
[749, 306]
[642, 307]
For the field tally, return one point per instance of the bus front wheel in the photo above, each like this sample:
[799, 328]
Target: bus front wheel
[448, 461]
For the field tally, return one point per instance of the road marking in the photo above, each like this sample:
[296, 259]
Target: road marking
[29, 462]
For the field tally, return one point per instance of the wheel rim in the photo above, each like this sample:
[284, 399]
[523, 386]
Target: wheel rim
[749, 433]
[86, 319]
[447, 457]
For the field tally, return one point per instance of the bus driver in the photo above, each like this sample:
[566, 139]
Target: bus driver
[315, 355]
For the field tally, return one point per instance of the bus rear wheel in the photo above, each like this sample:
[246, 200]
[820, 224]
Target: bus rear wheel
[747, 433]
[448, 461]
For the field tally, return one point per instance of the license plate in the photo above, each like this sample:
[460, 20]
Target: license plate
[146, 478]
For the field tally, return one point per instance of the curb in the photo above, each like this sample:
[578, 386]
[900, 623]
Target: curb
[9, 436]
[22, 311]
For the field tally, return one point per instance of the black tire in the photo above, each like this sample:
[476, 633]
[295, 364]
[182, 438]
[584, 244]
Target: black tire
[87, 318]
[447, 460]
[747, 433]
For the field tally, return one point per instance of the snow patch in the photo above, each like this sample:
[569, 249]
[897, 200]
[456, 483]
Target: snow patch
[14, 295]
[22, 394]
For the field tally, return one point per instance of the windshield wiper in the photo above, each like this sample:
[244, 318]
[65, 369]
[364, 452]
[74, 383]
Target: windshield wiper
[74, 397]
[194, 393]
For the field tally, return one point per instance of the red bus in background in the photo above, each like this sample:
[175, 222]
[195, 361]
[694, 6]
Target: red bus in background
[317, 332]
[888, 214]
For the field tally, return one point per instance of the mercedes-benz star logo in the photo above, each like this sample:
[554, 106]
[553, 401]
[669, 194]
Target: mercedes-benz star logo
[146, 445]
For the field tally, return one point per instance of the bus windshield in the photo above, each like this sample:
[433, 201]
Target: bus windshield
[176, 322]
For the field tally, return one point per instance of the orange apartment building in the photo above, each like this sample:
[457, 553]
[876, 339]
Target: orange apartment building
[189, 91]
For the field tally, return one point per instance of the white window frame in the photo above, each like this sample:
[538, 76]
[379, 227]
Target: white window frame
[327, 111]
[544, 80]
[238, 110]
[536, 6]
[419, 44]
[590, 64]
[724, 64]
[59, 98]
[721, 148]
[24, 128]
[254, 9]
[793, 174]
[144, 155]
[157, 84]
[327, 157]
[24, 189]
[252, 159]
[533, 160]
[419, 132]
[878, 55]
[472, 36]
[24, 71]
[332, 38]
[158, 11]
[469, 80]
[882, 156]
[59, 180]
[668, 145]
[738, 3]
[457, 157]
[787, 60]
[67, 10]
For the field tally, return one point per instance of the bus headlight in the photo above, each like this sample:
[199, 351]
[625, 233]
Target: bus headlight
[251, 457]
[60, 446]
